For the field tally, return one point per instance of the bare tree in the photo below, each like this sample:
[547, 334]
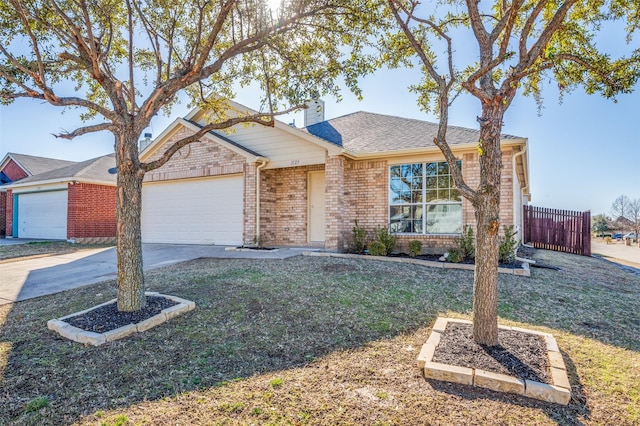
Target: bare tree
[130, 60]
[620, 209]
[520, 44]
[634, 216]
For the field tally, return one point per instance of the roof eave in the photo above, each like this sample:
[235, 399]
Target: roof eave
[60, 180]
[366, 155]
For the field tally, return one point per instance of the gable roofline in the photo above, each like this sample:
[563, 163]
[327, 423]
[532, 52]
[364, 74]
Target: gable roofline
[332, 148]
[38, 164]
[195, 127]
[93, 171]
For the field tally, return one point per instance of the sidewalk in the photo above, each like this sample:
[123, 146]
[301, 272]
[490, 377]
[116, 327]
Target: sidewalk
[617, 252]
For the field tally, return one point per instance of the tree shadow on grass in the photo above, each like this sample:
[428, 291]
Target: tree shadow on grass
[251, 317]
[577, 409]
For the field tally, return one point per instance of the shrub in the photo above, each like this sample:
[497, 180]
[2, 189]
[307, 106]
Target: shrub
[455, 255]
[415, 248]
[508, 245]
[388, 240]
[464, 247]
[377, 248]
[467, 243]
[359, 243]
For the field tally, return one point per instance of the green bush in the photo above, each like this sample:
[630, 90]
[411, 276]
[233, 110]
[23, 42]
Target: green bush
[377, 248]
[359, 239]
[415, 248]
[508, 245]
[455, 255]
[467, 243]
[385, 238]
[464, 247]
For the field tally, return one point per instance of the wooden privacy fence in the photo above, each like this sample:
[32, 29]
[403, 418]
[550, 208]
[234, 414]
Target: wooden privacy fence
[558, 230]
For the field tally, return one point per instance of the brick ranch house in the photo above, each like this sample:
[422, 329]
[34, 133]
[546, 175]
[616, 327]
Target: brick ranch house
[285, 186]
[46, 198]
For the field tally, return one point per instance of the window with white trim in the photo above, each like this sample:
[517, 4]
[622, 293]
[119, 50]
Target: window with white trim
[423, 199]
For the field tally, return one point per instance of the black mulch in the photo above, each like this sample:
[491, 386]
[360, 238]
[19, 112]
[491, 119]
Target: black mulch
[523, 355]
[436, 258]
[106, 318]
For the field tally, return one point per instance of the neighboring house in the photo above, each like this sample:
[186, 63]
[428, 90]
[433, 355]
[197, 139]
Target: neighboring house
[307, 187]
[73, 201]
[19, 166]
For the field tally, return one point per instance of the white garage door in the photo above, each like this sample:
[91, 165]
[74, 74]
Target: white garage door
[43, 215]
[194, 211]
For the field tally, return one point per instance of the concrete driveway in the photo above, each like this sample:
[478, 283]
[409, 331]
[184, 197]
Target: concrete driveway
[618, 252]
[26, 279]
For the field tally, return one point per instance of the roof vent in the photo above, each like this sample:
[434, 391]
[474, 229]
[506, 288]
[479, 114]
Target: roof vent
[145, 142]
[314, 113]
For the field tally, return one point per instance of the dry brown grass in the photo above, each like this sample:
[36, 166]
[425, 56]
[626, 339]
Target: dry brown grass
[319, 341]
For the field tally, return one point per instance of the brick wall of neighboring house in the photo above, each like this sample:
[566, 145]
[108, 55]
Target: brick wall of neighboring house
[283, 205]
[14, 171]
[3, 213]
[9, 213]
[91, 214]
[198, 159]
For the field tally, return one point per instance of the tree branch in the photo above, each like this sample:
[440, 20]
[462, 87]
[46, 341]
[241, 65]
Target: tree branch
[84, 130]
[264, 119]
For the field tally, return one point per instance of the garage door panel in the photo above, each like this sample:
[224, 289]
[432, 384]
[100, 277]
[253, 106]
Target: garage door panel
[198, 211]
[43, 215]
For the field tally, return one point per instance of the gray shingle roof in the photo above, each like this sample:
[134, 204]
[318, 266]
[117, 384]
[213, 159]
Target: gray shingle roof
[95, 169]
[370, 132]
[36, 165]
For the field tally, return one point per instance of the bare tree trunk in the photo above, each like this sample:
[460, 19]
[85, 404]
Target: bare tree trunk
[487, 209]
[485, 280]
[129, 240]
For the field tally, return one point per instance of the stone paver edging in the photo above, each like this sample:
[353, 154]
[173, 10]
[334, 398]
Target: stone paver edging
[559, 392]
[96, 339]
[523, 272]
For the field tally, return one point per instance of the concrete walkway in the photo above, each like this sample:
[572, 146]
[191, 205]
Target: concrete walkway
[26, 279]
[627, 257]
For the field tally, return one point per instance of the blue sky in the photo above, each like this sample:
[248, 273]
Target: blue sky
[583, 152]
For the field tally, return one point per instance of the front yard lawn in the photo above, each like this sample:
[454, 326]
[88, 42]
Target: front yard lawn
[320, 341]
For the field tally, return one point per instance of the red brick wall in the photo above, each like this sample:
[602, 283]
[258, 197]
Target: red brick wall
[14, 171]
[91, 213]
[9, 213]
[3, 213]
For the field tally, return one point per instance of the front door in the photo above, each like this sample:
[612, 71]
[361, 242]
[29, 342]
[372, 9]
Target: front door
[316, 206]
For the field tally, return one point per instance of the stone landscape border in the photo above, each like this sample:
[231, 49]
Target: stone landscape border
[96, 339]
[559, 392]
[523, 272]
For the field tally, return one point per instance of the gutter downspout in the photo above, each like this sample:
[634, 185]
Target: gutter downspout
[522, 190]
[264, 163]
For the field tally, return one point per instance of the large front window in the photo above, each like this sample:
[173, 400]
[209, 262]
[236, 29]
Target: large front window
[423, 199]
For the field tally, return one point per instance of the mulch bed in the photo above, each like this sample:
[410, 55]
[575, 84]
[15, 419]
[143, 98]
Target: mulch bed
[106, 318]
[523, 355]
[436, 258]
